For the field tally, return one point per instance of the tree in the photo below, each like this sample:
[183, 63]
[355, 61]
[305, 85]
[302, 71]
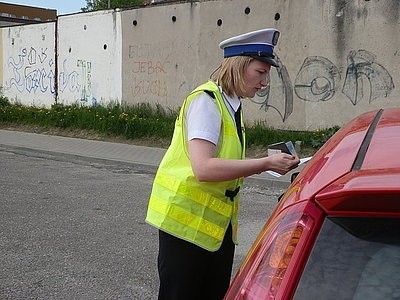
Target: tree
[92, 5]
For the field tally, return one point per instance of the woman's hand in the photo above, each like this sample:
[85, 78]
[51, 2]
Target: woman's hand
[206, 167]
[281, 163]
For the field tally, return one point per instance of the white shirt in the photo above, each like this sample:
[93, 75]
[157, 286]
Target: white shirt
[203, 119]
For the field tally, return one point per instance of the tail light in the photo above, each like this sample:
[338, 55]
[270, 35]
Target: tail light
[262, 275]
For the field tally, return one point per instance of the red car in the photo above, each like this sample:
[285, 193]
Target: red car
[335, 233]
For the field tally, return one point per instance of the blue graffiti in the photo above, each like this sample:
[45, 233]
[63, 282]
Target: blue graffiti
[68, 80]
[33, 71]
[75, 82]
[16, 78]
[28, 72]
[35, 79]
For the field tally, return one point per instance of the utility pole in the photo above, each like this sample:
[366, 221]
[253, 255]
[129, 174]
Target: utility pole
[109, 4]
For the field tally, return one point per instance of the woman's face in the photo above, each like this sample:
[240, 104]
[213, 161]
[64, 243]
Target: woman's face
[256, 77]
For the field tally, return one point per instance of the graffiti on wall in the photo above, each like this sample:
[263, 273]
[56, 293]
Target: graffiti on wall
[362, 64]
[283, 108]
[77, 81]
[319, 80]
[32, 71]
[86, 74]
[149, 75]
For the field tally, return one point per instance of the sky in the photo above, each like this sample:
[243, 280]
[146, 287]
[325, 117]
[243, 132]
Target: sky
[63, 6]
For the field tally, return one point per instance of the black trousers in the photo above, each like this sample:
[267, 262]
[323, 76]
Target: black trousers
[189, 272]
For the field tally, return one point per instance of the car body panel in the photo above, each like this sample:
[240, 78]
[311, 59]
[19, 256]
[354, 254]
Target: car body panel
[363, 193]
[375, 186]
[355, 174]
[387, 134]
[333, 160]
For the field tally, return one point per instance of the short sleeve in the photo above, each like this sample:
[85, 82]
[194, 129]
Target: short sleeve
[203, 119]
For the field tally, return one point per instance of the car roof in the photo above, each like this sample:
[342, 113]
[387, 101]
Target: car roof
[360, 161]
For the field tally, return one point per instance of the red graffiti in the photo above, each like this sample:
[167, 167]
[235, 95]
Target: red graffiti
[149, 67]
[150, 87]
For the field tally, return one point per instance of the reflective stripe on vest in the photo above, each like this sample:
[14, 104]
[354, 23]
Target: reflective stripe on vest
[179, 204]
[194, 194]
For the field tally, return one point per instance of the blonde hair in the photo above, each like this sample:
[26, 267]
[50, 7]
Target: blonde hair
[230, 75]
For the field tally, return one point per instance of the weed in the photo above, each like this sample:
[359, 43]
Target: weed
[139, 121]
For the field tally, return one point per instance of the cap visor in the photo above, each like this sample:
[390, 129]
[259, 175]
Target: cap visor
[268, 60]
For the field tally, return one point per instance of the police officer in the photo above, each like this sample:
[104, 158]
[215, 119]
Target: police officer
[194, 199]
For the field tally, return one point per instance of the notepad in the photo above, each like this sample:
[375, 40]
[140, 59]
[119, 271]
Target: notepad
[285, 147]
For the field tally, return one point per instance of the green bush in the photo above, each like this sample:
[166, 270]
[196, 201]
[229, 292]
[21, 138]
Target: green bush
[140, 121]
[321, 136]
[4, 101]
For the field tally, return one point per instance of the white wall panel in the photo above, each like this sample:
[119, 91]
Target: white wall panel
[338, 58]
[89, 58]
[29, 64]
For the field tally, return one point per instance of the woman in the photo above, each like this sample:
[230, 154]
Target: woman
[194, 200]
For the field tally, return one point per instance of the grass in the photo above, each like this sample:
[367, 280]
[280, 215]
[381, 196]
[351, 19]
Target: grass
[137, 122]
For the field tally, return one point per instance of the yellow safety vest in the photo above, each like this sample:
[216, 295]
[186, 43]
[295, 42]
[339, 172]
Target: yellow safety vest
[179, 204]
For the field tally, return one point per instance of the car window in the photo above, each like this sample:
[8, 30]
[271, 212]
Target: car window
[354, 258]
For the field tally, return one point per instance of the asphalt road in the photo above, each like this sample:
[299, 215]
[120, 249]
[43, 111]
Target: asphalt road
[73, 227]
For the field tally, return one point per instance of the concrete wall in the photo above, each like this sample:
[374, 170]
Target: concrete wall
[1, 63]
[89, 58]
[161, 61]
[339, 58]
[28, 63]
